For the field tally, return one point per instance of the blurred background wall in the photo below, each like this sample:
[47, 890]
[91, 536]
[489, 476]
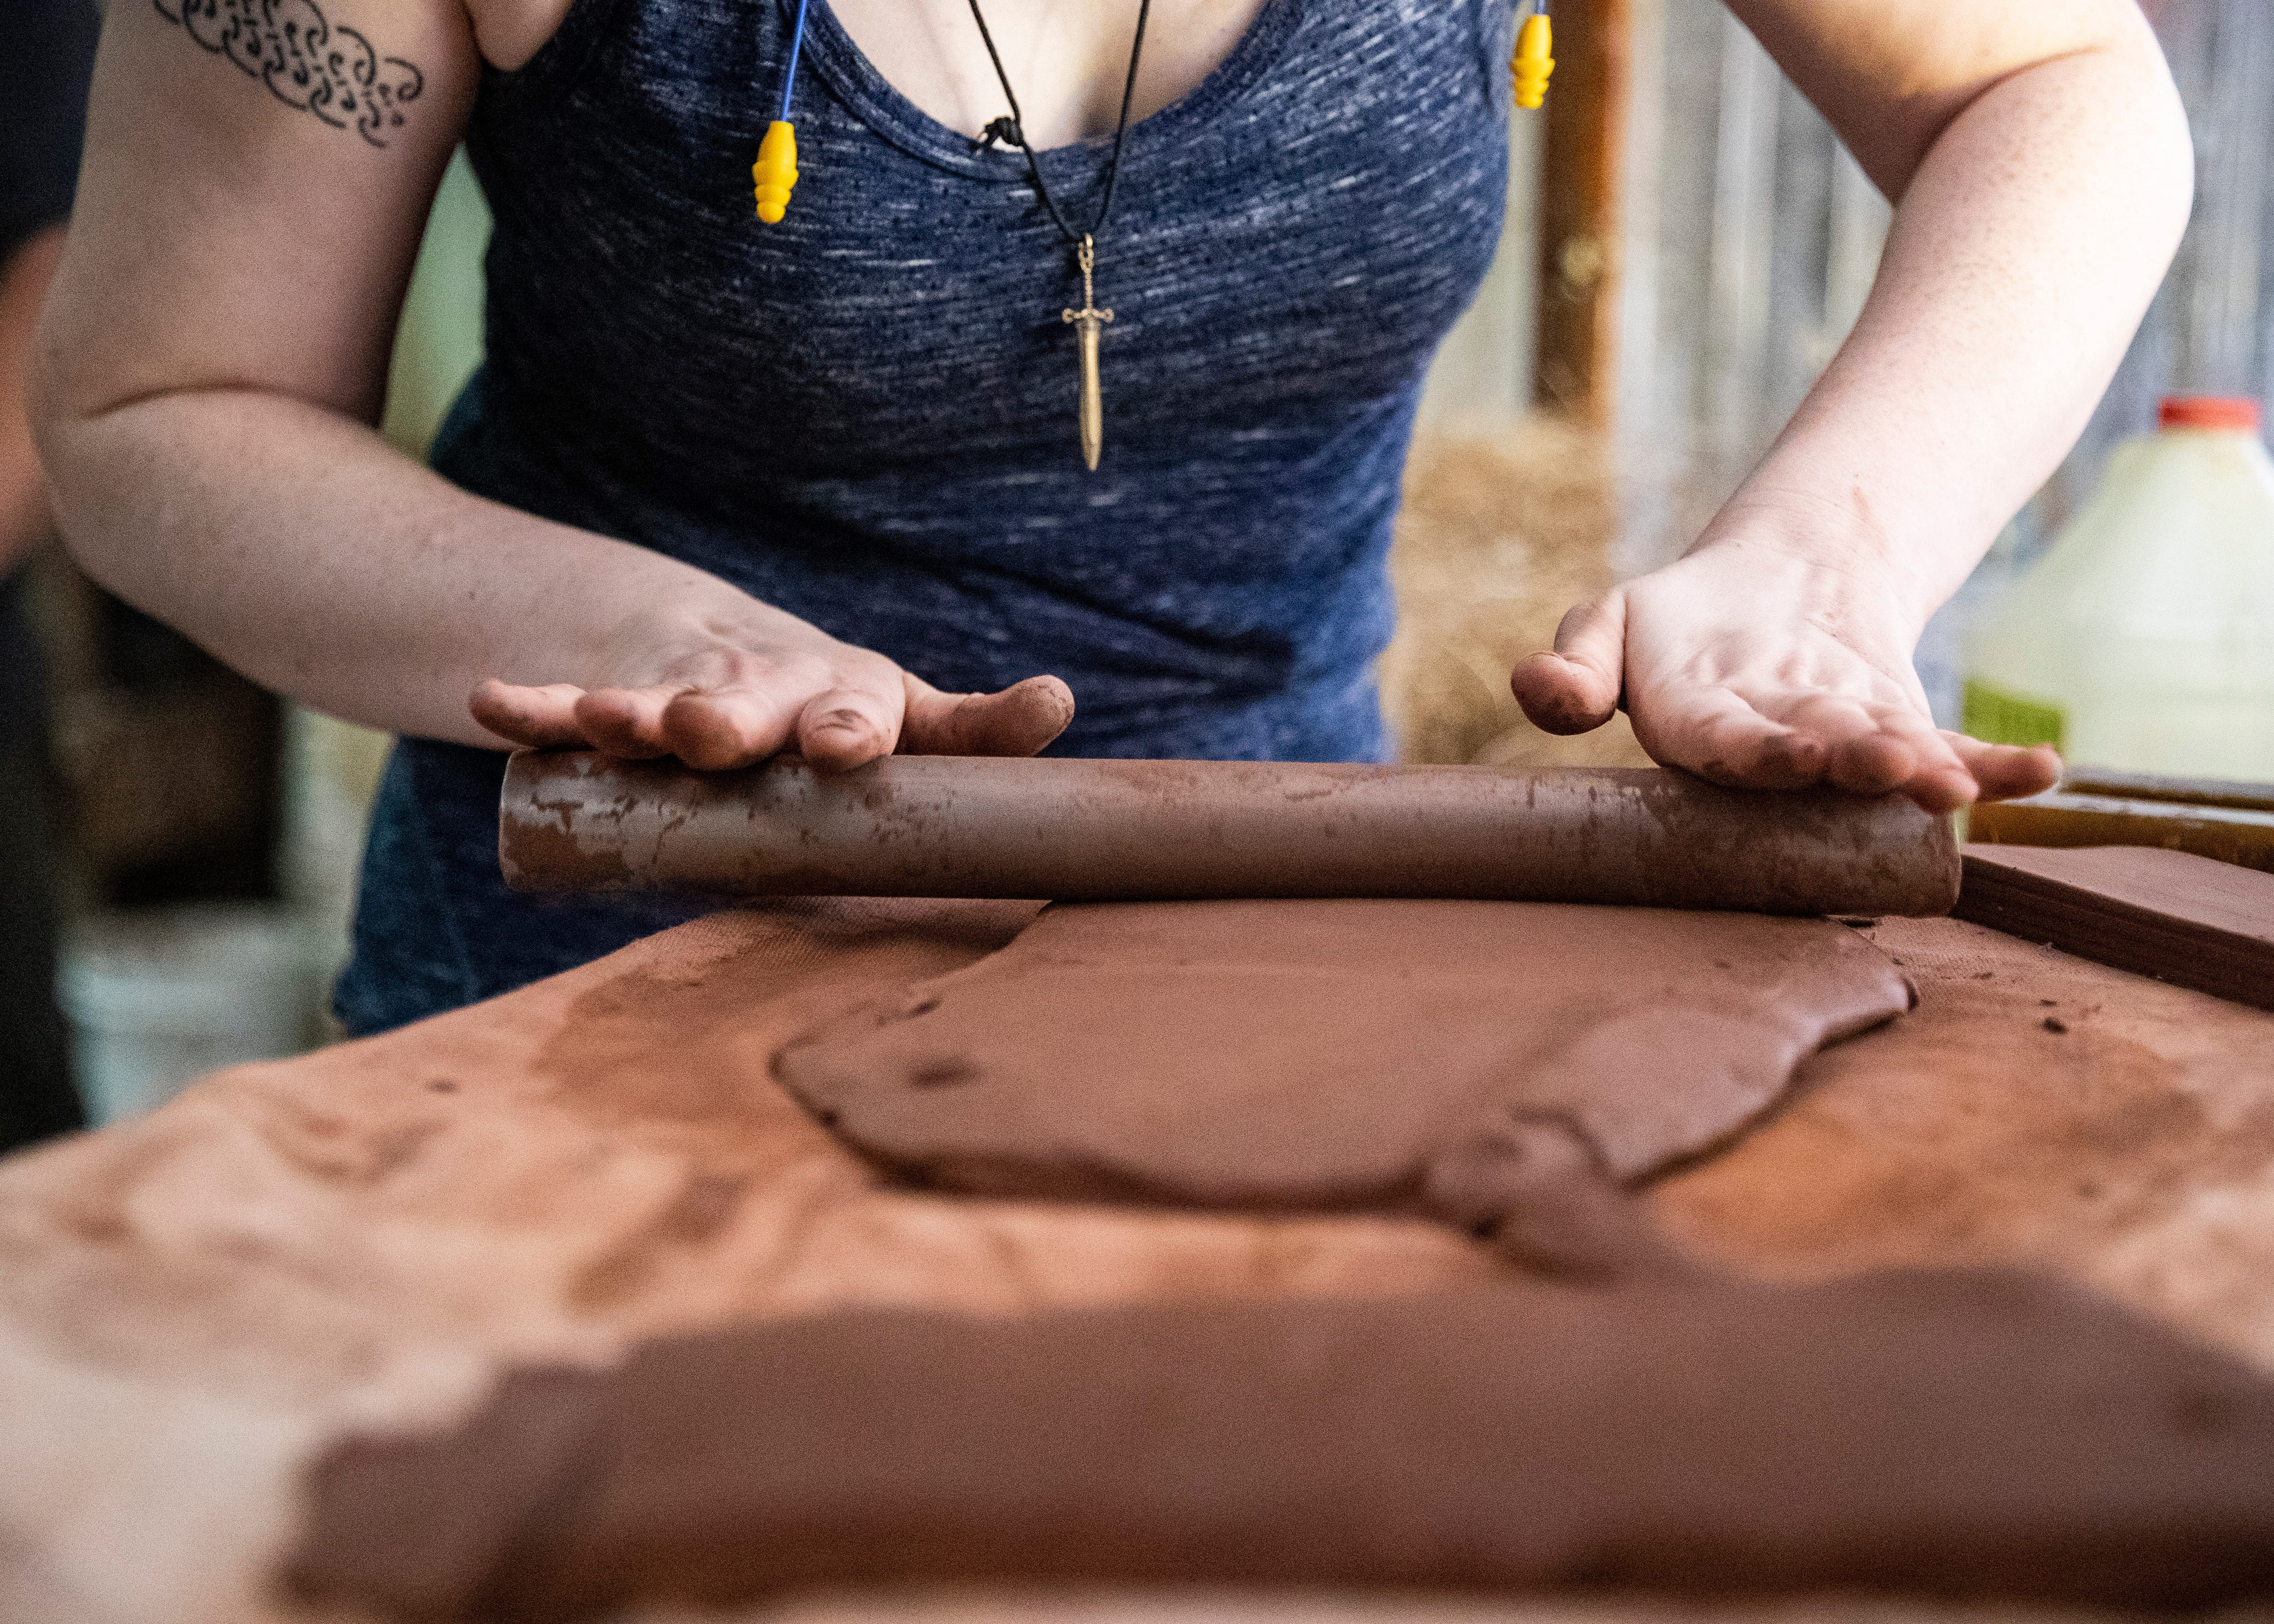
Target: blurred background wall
[1687, 244]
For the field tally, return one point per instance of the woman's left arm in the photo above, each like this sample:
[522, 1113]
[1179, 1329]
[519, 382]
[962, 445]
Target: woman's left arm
[2039, 161]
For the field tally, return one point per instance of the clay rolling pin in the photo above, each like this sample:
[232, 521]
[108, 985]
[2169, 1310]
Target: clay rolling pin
[959, 826]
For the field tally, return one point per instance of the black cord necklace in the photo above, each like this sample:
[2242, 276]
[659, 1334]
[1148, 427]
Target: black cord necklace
[1089, 320]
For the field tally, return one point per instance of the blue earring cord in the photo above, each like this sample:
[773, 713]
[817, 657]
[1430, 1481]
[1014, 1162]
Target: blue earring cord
[789, 77]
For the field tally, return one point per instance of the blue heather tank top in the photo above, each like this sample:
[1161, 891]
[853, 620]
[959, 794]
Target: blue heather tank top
[866, 413]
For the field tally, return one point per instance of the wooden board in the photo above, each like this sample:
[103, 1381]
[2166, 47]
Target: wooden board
[2176, 917]
[1581, 211]
[2229, 832]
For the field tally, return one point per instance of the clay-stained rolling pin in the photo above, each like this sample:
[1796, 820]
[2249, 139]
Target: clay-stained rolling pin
[959, 826]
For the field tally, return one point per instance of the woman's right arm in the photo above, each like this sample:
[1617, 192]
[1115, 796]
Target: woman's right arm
[212, 361]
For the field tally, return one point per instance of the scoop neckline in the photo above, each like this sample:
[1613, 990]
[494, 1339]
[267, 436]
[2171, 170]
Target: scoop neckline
[873, 99]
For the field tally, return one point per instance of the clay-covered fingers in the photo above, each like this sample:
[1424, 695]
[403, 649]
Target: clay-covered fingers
[1864, 748]
[627, 721]
[2005, 771]
[706, 728]
[838, 707]
[728, 724]
[1717, 736]
[1879, 747]
[1576, 688]
[841, 728]
[1021, 720]
[535, 718]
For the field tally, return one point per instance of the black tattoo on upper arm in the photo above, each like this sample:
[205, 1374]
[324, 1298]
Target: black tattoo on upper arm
[306, 62]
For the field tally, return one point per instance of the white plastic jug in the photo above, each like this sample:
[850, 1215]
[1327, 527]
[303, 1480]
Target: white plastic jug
[2144, 638]
[158, 997]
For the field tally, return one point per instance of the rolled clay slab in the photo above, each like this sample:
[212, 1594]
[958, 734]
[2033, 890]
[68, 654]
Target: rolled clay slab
[1075, 830]
[1499, 1065]
[1978, 1434]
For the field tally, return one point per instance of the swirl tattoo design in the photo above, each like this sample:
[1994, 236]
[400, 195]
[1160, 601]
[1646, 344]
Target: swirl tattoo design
[307, 62]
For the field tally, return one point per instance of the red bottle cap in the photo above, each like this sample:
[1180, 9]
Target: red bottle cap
[2208, 411]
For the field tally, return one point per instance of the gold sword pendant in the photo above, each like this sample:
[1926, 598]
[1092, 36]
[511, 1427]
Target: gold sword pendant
[1088, 321]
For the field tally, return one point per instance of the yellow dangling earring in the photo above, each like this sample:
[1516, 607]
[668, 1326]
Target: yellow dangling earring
[776, 170]
[775, 173]
[1535, 42]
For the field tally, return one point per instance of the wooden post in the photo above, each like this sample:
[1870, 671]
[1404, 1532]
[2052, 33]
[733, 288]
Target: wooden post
[1581, 170]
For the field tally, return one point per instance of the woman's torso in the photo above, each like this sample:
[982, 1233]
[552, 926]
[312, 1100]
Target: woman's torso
[865, 414]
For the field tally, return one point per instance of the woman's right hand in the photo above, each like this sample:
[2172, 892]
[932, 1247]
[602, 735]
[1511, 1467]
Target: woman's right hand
[211, 360]
[717, 700]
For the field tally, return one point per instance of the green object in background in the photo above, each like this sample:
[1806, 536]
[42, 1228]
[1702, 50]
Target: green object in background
[1996, 717]
[2149, 623]
[437, 344]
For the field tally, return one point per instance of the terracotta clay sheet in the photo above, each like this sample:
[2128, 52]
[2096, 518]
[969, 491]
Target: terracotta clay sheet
[197, 1306]
[2182, 918]
[1490, 1064]
[1980, 1434]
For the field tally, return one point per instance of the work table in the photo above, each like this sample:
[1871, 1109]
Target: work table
[192, 1303]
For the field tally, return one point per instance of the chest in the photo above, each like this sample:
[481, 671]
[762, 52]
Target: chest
[1301, 226]
[1067, 61]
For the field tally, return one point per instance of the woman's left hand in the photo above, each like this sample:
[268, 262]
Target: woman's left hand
[1758, 667]
[2038, 156]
